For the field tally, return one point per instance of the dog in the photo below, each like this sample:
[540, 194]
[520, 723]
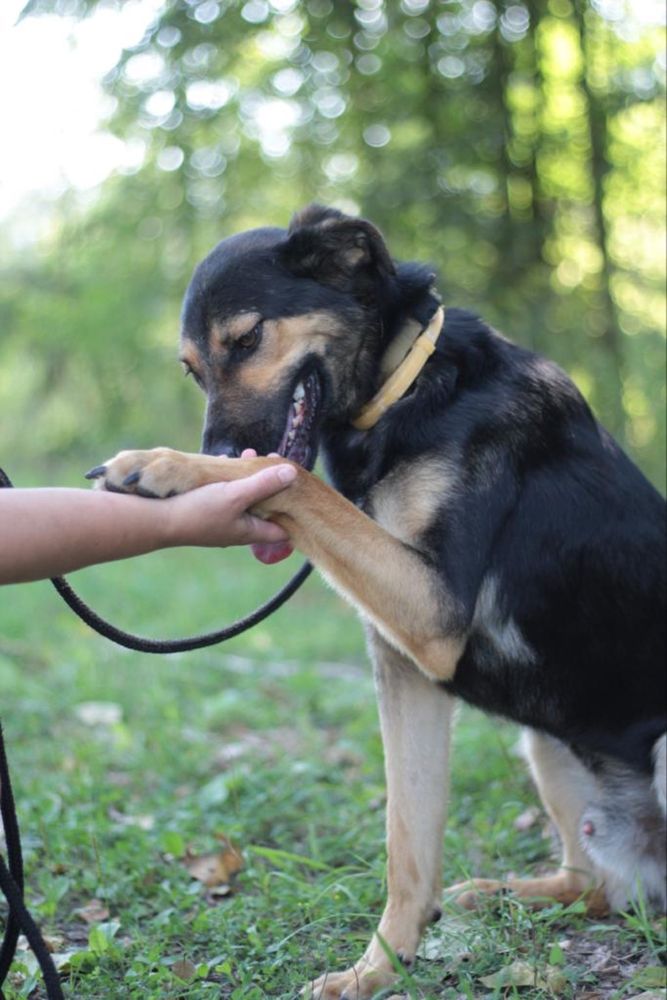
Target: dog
[497, 543]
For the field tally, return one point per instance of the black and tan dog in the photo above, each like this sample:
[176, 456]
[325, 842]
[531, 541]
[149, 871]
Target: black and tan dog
[498, 544]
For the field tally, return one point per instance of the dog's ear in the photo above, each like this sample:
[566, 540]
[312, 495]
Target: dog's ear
[336, 249]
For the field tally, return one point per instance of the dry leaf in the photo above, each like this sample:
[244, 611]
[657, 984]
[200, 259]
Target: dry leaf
[54, 942]
[63, 960]
[652, 977]
[216, 869]
[93, 912]
[660, 994]
[184, 969]
[524, 974]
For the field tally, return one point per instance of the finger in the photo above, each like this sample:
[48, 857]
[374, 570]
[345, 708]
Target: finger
[255, 530]
[248, 453]
[263, 484]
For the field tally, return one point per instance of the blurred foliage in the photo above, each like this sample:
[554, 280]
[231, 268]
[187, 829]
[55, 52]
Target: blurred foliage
[517, 146]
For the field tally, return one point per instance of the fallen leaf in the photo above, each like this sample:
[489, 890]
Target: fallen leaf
[54, 942]
[184, 969]
[217, 868]
[651, 995]
[521, 973]
[651, 977]
[63, 959]
[93, 912]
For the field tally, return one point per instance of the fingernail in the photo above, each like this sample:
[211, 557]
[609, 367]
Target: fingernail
[286, 473]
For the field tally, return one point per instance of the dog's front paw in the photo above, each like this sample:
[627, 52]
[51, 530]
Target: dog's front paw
[361, 982]
[160, 472]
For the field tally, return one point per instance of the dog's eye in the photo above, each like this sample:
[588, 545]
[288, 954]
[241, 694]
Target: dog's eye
[189, 370]
[250, 340]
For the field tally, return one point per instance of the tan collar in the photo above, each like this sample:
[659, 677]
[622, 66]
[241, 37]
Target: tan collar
[403, 373]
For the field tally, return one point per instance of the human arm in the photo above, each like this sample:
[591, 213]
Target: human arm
[49, 532]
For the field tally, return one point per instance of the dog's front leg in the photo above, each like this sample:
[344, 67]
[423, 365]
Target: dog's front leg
[415, 717]
[390, 582]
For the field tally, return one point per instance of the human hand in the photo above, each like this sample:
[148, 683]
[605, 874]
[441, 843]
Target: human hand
[218, 514]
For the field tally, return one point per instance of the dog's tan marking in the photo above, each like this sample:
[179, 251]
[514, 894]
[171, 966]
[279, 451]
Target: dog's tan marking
[222, 333]
[408, 500]
[390, 583]
[559, 888]
[285, 343]
[566, 788]
[189, 355]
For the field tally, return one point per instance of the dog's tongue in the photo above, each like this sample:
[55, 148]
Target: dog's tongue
[271, 552]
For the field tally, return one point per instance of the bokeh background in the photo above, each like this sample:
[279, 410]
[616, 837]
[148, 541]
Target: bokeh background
[518, 146]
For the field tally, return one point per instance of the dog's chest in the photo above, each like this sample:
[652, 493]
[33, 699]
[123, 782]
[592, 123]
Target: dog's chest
[408, 500]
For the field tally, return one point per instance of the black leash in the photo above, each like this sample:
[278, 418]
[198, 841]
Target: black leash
[143, 645]
[11, 876]
[11, 884]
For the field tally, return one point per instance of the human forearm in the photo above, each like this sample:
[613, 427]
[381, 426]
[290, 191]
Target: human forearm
[48, 532]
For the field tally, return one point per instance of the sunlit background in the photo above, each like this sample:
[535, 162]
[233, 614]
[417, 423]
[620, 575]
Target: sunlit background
[517, 146]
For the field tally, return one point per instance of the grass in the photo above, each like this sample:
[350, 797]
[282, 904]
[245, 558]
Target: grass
[272, 742]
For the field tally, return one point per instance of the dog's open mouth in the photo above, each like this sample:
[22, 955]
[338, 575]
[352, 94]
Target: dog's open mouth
[298, 444]
[297, 441]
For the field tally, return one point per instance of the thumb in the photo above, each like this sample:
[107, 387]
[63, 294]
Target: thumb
[263, 484]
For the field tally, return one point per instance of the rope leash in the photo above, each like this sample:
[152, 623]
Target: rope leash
[163, 646]
[11, 884]
[11, 874]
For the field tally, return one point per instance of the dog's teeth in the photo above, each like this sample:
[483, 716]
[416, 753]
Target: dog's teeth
[299, 392]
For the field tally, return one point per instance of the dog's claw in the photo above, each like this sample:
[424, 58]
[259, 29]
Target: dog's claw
[133, 478]
[95, 473]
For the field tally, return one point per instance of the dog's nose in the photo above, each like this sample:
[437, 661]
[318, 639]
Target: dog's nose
[212, 445]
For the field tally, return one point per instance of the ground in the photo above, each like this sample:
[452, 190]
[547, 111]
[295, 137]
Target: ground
[134, 774]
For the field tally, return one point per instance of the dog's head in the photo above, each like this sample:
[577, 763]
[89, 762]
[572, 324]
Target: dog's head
[281, 329]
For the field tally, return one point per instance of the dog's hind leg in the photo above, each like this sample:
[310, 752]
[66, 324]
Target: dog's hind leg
[566, 788]
[415, 717]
